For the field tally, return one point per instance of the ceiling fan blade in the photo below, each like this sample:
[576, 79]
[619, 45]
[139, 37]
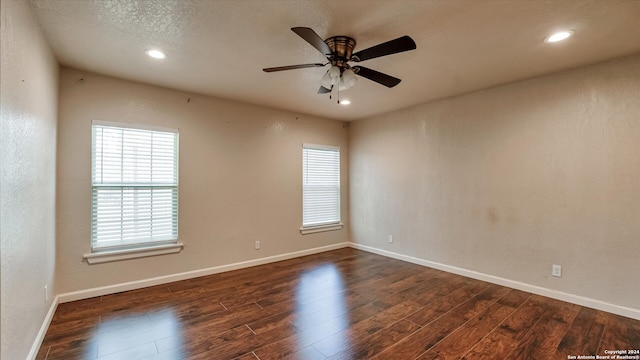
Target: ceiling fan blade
[323, 90]
[404, 43]
[312, 38]
[291, 67]
[384, 79]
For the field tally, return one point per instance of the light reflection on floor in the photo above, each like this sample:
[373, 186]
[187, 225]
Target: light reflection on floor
[138, 336]
[321, 307]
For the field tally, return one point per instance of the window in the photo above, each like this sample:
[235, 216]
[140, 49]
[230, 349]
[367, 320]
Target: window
[320, 188]
[134, 187]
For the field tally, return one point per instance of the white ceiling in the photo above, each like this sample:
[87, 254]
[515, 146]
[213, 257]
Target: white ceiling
[219, 47]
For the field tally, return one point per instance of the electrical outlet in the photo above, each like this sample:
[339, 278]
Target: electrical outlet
[46, 293]
[556, 270]
[257, 244]
[390, 238]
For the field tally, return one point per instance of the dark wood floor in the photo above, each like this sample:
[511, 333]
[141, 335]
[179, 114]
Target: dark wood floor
[343, 304]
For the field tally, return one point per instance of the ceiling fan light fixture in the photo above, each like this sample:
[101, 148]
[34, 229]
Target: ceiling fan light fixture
[156, 54]
[331, 77]
[347, 80]
[345, 102]
[559, 36]
[334, 77]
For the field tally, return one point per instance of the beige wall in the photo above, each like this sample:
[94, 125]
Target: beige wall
[240, 177]
[28, 112]
[510, 180]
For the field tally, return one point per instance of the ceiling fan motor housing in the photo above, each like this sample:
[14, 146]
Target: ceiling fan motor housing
[341, 48]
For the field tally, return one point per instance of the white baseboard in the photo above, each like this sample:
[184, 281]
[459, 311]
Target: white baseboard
[554, 294]
[43, 329]
[138, 284]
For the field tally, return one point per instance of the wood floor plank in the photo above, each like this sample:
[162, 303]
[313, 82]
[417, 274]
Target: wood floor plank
[620, 333]
[446, 286]
[289, 347]
[424, 338]
[447, 302]
[341, 304]
[374, 344]
[367, 327]
[248, 356]
[433, 332]
[500, 342]
[541, 341]
[459, 342]
[311, 333]
[482, 301]
[222, 346]
[584, 334]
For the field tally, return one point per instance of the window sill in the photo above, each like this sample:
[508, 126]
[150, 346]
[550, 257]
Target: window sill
[320, 228]
[117, 255]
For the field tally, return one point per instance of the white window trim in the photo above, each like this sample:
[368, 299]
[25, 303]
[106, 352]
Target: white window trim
[325, 147]
[317, 228]
[116, 255]
[134, 126]
[141, 250]
[321, 228]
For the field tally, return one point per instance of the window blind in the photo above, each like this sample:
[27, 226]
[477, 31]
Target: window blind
[134, 186]
[320, 185]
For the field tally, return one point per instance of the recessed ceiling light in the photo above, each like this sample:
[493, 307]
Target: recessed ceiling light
[345, 102]
[156, 54]
[559, 36]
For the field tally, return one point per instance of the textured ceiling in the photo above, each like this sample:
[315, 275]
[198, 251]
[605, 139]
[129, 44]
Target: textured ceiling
[220, 47]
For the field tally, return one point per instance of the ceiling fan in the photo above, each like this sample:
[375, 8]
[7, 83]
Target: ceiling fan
[339, 52]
